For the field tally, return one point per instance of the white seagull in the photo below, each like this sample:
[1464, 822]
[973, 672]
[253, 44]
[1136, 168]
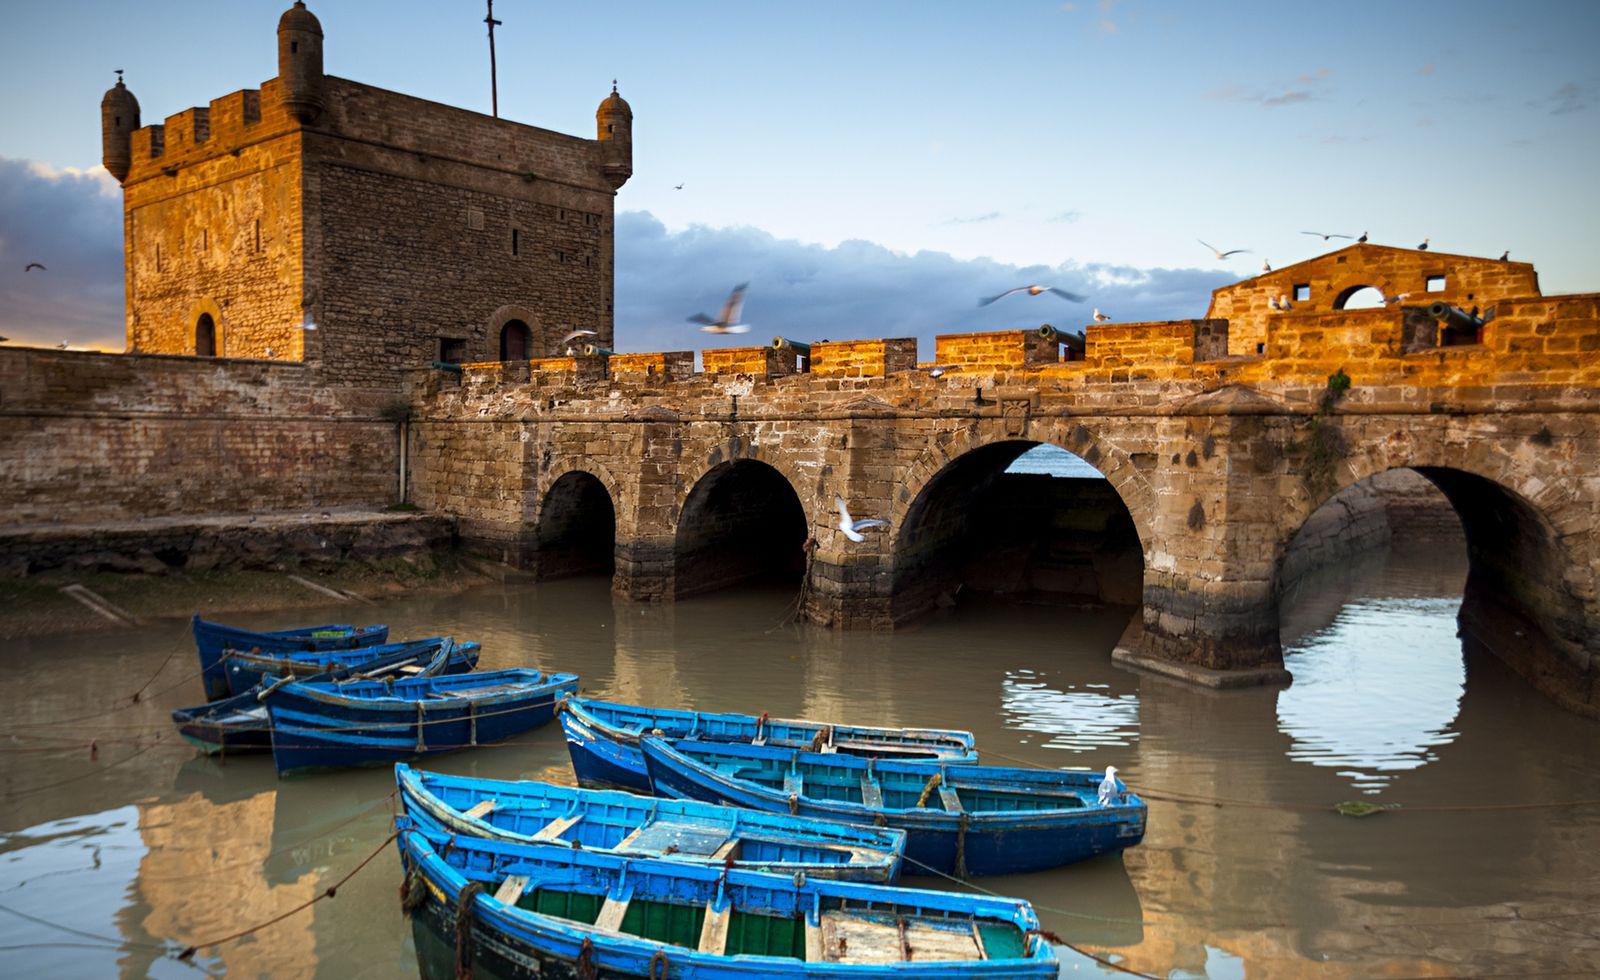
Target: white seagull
[1219, 253]
[1283, 302]
[1325, 235]
[1100, 317]
[851, 527]
[1391, 300]
[574, 335]
[1108, 787]
[1424, 246]
[1272, 301]
[937, 370]
[728, 322]
[1033, 291]
[1266, 266]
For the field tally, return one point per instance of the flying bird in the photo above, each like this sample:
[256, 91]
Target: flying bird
[1033, 291]
[1325, 235]
[34, 265]
[1100, 317]
[851, 527]
[574, 335]
[1363, 239]
[1505, 256]
[728, 322]
[936, 370]
[1219, 253]
[1108, 787]
[1391, 300]
[62, 345]
[4, 339]
[1424, 246]
[677, 187]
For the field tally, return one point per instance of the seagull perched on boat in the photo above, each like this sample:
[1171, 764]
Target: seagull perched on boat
[1108, 787]
[728, 322]
[1034, 291]
[1325, 235]
[34, 265]
[1424, 246]
[851, 527]
[1219, 253]
[1100, 317]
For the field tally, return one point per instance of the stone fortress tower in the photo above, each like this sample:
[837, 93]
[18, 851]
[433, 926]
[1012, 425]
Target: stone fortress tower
[403, 230]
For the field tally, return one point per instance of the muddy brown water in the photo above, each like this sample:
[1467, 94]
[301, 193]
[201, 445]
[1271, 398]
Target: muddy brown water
[149, 848]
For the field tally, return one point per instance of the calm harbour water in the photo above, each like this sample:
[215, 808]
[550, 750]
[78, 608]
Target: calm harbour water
[151, 848]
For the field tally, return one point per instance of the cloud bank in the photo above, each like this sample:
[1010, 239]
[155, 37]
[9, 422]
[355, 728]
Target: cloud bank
[72, 223]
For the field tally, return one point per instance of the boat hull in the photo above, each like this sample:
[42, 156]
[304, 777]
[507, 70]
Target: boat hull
[245, 672]
[211, 640]
[601, 763]
[937, 841]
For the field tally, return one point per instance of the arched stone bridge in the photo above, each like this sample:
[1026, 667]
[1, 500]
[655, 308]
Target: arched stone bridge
[696, 480]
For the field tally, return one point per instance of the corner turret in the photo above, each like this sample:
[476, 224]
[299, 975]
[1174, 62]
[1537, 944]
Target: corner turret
[614, 125]
[300, 62]
[119, 117]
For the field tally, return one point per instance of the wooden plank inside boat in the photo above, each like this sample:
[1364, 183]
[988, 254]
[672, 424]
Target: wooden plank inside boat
[556, 828]
[511, 889]
[611, 914]
[853, 937]
[714, 931]
[480, 809]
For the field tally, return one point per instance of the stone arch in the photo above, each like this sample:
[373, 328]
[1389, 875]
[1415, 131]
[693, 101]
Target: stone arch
[1525, 598]
[941, 539]
[740, 520]
[740, 447]
[496, 324]
[516, 340]
[556, 467]
[206, 313]
[1346, 288]
[576, 533]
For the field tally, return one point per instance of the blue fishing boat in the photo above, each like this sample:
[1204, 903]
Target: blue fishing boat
[245, 670]
[211, 639]
[322, 724]
[960, 820]
[603, 738]
[530, 812]
[491, 908]
[239, 723]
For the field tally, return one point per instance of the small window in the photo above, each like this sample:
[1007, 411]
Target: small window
[1436, 284]
[516, 241]
[205, 336]
[258, 234]
[158, 257]
[452, 350]
[294, 47]
[1302, 292]
[561, 256]
[1261, 348]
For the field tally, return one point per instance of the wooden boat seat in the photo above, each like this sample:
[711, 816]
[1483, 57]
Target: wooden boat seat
[555, 828]
[871, 791]
[950, 798]
[412, 669]
[511, 889]
[714, 931]
[611, 915]
[850, 936]
[480, 809]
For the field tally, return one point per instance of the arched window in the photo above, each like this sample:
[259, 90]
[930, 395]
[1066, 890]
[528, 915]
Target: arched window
[205, 336]
[515, 339]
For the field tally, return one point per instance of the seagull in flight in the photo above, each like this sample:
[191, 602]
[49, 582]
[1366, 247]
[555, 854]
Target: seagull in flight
[1033, 291]
[851, 527]
[677, 187]
[1100, 317]
[34, 265]
[1391, 300]
[728, 322]
[1108, 787]
[936, 370]
[1325, 235]
[1424, 246]
[1219, 253]
[574, 335]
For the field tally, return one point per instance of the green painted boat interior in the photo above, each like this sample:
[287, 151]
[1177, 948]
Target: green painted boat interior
[765, 935]
[1002, 941]
[664, 922]
[576, 906]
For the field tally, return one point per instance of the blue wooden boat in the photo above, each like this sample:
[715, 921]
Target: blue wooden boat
[322, 724]
[960, 820]
[245, 670]
[491, 908]
[239, 723]
[211, 639]
[603, 738]
[638, 826]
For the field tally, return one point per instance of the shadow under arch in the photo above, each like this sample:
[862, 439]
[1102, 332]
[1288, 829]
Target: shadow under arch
[576, 533]
[973, 527]
[742, 521]
[1515, 602]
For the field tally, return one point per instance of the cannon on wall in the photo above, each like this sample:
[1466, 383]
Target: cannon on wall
[1457, 327]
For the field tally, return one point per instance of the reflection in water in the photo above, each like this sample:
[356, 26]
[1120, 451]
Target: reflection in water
[1377, 691]
[188, 849]
[1075, 720]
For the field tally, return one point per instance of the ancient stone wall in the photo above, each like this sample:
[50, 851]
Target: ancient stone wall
[97, 437]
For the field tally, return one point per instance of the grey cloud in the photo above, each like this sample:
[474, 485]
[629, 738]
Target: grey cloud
[1287, 98]
[860, 289]
[1570, 97]
[71, 224]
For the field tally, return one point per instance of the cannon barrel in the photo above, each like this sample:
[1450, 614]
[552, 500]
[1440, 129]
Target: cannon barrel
[595, 350]
[798, 346]
[1049, 333]
[1454, 317]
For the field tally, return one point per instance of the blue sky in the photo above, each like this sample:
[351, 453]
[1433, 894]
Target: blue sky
[1094, 139]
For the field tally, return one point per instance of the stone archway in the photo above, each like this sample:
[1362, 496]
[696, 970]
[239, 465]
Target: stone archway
[741, 521]
[971, 526]
[576, 531]
[207, 335]
[532, 331]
